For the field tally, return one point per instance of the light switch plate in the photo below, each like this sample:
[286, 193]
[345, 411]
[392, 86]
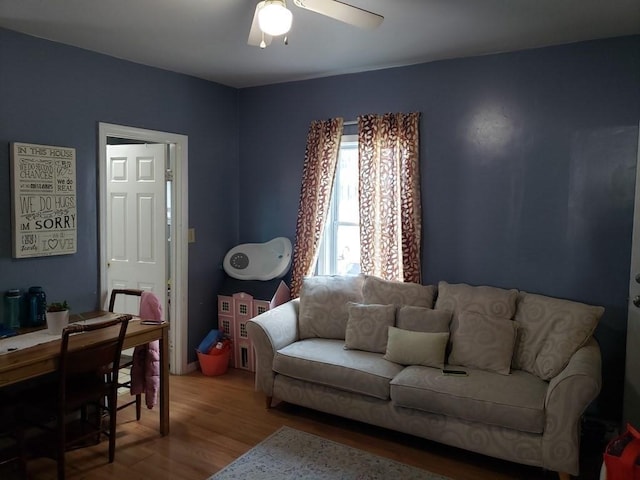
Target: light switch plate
[191, 235]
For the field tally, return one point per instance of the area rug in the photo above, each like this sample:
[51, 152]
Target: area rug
[291, 454]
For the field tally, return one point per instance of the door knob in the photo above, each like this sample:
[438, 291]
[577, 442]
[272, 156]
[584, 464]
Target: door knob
[636, 301]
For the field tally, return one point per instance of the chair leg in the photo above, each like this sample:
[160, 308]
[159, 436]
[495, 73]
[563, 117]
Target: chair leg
[62, 440]
[112, 430]
[138, 406]
[22, 452]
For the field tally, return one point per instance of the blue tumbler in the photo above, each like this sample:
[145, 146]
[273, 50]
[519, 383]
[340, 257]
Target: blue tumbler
[37, 307]
[12, 300]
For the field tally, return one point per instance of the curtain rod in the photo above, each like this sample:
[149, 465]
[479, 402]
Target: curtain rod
[350, 122]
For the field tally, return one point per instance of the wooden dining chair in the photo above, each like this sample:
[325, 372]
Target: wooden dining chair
[126, 361]
[87, 375]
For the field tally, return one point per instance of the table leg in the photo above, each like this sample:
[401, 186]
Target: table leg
[164, 382]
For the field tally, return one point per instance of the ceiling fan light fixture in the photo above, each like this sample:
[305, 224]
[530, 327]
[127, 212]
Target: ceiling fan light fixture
[275, 18]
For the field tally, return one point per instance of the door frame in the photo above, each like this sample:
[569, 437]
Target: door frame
[631, 398]
[178, 263]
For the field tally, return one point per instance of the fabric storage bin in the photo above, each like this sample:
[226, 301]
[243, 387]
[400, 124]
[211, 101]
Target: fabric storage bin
[216, 362]
[622, 456]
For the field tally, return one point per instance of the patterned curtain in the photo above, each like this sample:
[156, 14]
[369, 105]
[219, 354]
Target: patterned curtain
[320, 159]
[390, 206]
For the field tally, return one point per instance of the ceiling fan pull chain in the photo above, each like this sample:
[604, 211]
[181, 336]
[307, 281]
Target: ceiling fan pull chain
[262, 44]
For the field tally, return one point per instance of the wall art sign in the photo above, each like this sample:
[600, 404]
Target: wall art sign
[43, 187]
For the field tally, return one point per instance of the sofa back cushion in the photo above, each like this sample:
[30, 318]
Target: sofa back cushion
[419, 319]
[488, 301]
[550, 330]
[323, 305]
[368, 327]
[386, 292]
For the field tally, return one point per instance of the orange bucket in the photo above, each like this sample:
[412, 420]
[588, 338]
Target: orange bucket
[216, 362]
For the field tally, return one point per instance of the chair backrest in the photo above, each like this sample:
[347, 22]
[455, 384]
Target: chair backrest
[98, 357]
[122, 291]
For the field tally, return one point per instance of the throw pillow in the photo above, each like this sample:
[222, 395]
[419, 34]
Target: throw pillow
[550, 330]
[483, 342]
[323, 305]
[416, 348]
[368, 327]
[421, 319]
[385, 292]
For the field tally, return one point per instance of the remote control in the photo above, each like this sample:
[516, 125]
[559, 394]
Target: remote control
[455, 372]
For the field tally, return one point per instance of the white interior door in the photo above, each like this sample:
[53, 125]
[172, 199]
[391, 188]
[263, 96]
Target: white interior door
[631, 412]
[136, 216]
[178, 263]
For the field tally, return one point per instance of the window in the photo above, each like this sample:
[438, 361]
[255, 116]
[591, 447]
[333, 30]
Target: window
[340, 243]
[226, 326]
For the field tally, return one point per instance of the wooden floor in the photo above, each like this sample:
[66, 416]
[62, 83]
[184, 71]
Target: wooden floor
[214, 420]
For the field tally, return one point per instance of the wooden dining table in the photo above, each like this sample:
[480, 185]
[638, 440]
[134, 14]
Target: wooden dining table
[37, 360]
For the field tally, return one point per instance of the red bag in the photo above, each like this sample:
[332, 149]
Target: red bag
[622, 456]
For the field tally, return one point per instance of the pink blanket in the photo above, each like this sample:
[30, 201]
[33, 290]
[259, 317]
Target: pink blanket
[145, 371]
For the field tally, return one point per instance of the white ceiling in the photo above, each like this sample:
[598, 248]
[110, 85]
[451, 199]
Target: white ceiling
[208, 38]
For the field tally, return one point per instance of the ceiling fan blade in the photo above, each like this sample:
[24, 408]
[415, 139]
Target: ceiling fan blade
[255, 34]
[342, 12]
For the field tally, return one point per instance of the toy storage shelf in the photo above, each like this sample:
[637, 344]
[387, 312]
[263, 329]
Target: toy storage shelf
[238, 302]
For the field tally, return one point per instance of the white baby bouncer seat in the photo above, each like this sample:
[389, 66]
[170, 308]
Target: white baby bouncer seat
[259, 261]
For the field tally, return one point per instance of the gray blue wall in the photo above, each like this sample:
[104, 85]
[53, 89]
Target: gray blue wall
[528, 165]
[528, 168]
[55, 95]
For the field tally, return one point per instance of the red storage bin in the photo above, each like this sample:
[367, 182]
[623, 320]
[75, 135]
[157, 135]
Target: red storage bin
[622, 456]
[216, 362]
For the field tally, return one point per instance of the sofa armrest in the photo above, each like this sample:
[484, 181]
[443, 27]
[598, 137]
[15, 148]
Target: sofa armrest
[568, 396]
[269, 332]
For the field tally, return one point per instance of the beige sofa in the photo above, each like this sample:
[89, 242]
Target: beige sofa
[373, 350]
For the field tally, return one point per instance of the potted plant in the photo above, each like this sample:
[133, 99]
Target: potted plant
[57, 317]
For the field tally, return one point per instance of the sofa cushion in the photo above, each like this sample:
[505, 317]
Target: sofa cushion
[384, 292]
[368, 326]
[492, 301]
[483, 342]
[421, 319]
[550, 331]
[407, 347]
[323, 305]
[515, 401]
[326, 362]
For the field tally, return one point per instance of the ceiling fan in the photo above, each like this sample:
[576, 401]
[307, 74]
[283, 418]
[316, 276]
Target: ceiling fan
[272, 18]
